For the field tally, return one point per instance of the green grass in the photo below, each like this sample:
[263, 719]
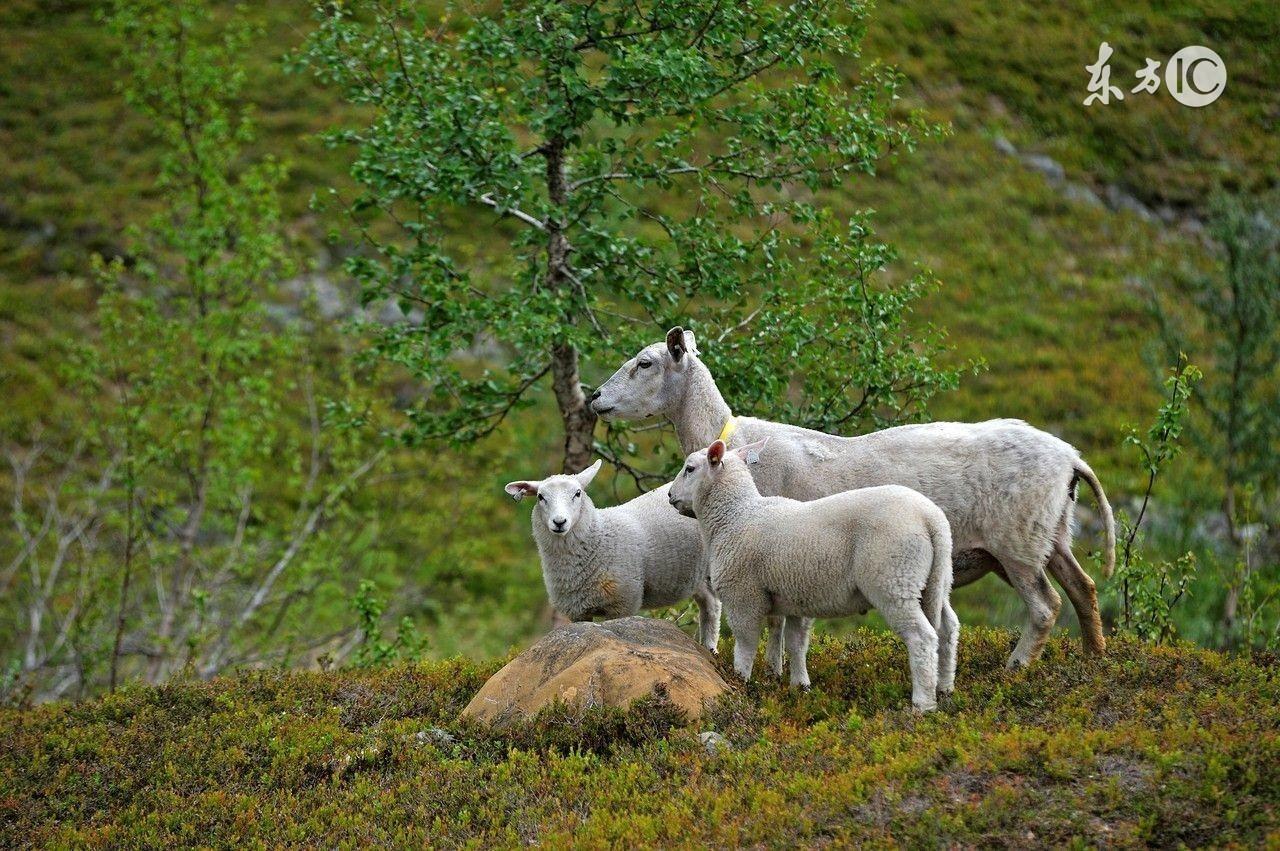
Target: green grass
[1020, 66]
[1149, 747]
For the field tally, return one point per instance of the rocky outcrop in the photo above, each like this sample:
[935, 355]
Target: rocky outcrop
[601, 664]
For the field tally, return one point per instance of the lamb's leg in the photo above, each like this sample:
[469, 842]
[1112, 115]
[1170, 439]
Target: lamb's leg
[906, 618]
[1082, 593]
[1043, 605]
[773, 647]
[948, 642]
[708, 617]
[797, 635]
[746, 626]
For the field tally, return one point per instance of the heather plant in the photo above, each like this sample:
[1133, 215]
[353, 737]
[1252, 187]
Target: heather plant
[1146, 746]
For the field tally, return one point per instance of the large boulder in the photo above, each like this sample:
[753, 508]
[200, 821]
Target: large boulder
[601, 664]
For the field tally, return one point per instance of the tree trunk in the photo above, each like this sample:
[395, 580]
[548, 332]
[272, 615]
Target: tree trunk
[579, 420]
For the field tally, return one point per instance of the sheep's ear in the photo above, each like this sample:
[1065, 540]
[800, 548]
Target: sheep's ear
[751, 452]
[584, 478]
[519, 490]
[676, 343]
[715, 452]
[690, 344]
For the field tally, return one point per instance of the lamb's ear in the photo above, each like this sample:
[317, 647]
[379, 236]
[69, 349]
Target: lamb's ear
[676, 346]
[690, 344]
[584, 478]
[519, 490]
[715, 452]
[751, 452]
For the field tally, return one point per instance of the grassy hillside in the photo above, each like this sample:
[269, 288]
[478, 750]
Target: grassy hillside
[1151, 747]
[1048, 291]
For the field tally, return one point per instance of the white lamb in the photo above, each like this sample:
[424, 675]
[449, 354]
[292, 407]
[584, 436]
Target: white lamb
[886, 547]
[613, 562]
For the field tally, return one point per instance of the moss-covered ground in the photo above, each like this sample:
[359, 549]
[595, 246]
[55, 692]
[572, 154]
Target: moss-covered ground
[1151, 746]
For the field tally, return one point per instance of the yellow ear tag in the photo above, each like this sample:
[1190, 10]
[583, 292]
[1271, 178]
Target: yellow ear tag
[730, 426]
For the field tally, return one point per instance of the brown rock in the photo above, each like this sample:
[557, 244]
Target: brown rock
[601, 664]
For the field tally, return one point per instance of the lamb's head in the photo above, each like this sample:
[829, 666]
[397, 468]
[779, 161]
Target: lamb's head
[703, 471]
[561, 498]
[651, 383]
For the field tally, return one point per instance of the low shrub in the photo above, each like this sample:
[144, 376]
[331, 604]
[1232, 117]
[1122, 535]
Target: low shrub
[1151, 745]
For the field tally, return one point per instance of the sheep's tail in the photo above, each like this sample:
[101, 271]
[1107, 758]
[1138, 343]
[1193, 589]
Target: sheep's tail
[937, 588]
[1084, 471]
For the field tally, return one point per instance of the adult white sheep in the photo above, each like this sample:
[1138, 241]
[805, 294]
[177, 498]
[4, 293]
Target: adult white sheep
[885, 547]
[1008, 489]
[613, 562]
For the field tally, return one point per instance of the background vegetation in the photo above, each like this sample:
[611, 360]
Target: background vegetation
[1051, 229]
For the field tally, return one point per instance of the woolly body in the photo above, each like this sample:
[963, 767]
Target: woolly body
[614, 562]
[1008, 489]
[885, 547]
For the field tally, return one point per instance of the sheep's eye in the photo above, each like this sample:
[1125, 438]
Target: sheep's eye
[541, 498]
[645, 364]
[578, 494]
[690, 468]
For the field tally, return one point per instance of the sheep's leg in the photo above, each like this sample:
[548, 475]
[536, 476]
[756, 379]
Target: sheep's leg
[797, 635]
[746, 626]
[1043, 605]
[948, 642]
[906, 618]
[773, 648]
[1082, 593]
[708, 617]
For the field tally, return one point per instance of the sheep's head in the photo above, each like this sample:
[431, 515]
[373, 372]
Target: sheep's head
[560, 498]
[651, 383]
[702, 469]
